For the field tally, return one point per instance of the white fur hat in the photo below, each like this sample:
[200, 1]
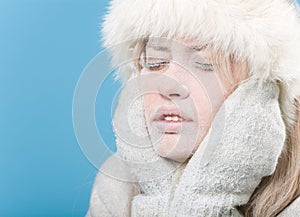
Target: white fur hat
[265, 33]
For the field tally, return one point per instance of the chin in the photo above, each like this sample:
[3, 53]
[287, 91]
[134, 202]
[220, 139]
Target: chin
[178, 157]
[172, 147]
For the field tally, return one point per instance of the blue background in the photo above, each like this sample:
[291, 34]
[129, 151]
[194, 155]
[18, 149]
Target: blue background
[44, 47]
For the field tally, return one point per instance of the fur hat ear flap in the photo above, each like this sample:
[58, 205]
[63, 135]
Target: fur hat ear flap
[265, 33]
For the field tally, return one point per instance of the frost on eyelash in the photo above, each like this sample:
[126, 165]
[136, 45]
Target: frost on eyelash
[154, 65]
[204, 66]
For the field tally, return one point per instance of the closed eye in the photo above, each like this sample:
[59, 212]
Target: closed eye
[204, 66]
[155, 66]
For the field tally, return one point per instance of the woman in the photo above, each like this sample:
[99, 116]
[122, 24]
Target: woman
[216, 131]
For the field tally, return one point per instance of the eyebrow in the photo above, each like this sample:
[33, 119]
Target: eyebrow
[199, 47]
[157, 47]
[162, 48]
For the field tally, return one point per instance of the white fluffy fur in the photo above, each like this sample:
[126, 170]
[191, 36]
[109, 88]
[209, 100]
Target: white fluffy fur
[266, 33]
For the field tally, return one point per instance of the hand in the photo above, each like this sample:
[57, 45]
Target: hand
[242, 146]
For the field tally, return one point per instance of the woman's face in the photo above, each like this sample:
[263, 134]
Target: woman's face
[183, 92]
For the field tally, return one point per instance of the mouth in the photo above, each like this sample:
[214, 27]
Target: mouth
[170, 120]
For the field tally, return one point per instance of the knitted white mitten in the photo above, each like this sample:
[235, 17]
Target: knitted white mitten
[242, 146]
[154, 174]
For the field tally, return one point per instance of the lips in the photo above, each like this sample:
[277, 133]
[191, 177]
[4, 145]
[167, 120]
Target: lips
[170, 120]
[164, 111]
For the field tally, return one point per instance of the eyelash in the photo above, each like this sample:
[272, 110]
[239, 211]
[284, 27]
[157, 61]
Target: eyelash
[204, 66]
[159, 65]
[155, 66]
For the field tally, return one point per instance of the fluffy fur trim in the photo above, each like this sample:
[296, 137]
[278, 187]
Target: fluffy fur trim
[265, 33]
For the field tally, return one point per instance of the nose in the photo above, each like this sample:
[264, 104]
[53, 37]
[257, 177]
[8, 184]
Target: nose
[169, 85]
[172, 89]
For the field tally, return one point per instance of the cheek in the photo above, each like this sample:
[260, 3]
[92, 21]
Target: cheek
[203, 102]
[207, 101]
[150, 99]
